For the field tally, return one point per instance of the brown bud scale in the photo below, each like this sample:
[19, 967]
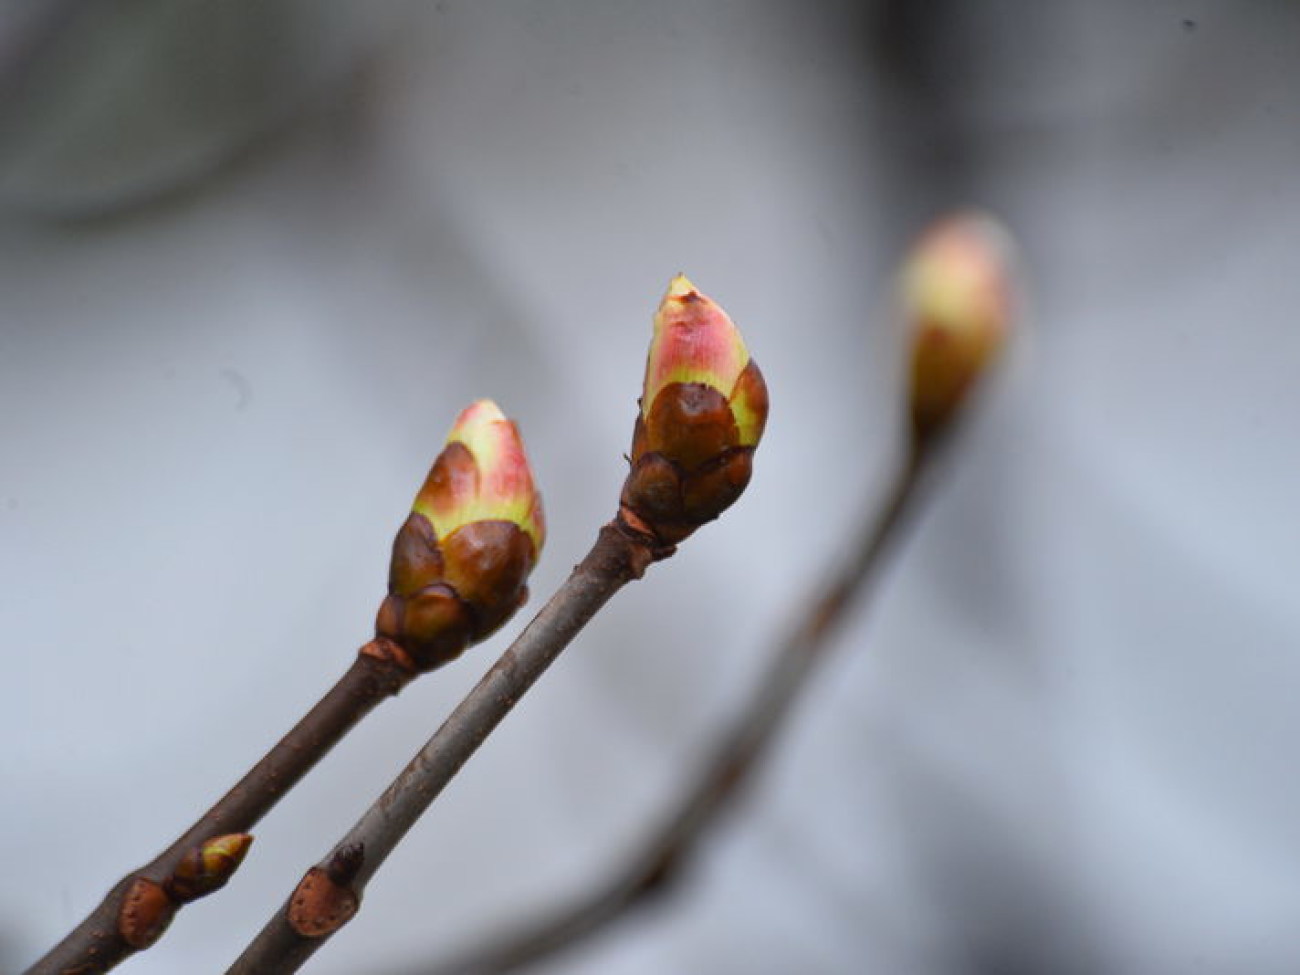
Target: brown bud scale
[430, 628]
[320, 906]
[690, 424]
[487, 565]
[417, 560]
[146, 911]
[454, 474]
[688, 465]
[709, 492]
[382, 648]
[674, 503]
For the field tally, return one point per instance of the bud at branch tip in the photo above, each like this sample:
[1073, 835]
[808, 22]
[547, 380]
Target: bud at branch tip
[958, 298]
[703, 408]
[461, 561]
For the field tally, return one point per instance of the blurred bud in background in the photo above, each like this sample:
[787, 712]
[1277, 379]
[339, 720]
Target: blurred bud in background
[958, 303]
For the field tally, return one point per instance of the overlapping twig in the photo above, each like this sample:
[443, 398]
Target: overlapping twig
[329, 895]
[480, 494]
[662, 858]
[959, 302]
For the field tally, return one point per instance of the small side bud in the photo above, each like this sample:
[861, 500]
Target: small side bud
[208, 867]
[703, 409]
[958, 302]
[325, 899]
[146, 911]
[461, 562]
[319, 905]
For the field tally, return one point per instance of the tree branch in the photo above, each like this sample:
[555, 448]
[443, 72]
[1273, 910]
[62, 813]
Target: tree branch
[330, 893]
[105, 938]
[660, 861]
[444, 593]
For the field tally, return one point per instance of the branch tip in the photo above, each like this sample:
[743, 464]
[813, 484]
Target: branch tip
[704, 405]
[461, 561]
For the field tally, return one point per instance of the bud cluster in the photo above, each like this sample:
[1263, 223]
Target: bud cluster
[461, 561]
[703, 409]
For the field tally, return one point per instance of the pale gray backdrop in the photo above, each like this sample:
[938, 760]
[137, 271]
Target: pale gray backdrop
[254, 258]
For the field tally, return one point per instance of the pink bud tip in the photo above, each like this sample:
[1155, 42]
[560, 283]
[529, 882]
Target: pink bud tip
[695, 342]
[493, 481]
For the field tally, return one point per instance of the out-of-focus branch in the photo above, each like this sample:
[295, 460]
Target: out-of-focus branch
[703, 410]
[666, 853]
[958, 300]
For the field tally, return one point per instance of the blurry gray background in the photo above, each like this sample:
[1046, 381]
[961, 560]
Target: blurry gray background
[256, 255]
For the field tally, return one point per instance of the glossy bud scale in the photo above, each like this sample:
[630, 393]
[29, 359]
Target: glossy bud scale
[703, 409]
[461, 562]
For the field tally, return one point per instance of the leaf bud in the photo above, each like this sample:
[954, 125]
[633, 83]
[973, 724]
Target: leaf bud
[703, 409]
[461, 561]
[958, 304]
[207, 867]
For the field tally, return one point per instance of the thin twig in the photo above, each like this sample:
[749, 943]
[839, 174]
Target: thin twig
[99, 942]
[481, 490]
[330, 893]
[660, 860]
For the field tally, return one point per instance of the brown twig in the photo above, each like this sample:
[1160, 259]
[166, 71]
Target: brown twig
[660, 860]
[137, 910]
[448, 586]
[330, 893]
